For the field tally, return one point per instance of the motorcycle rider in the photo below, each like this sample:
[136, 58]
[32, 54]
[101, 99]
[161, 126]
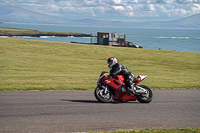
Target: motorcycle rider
[119, 69]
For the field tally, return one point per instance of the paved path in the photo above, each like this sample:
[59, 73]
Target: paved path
[79, 111]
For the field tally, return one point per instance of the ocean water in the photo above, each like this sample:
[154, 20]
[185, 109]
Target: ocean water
[166, 39]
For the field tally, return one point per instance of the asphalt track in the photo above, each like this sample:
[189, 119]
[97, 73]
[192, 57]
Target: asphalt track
[79, 111]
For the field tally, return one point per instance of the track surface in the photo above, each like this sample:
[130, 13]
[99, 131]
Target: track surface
[79, 111]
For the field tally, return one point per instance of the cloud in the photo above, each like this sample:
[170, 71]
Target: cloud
[117, 1]
[149, 7]
[188, 1]
[118, 8]
[111, 9]
[196, 8]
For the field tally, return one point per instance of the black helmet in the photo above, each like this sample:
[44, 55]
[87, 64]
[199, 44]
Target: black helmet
[111, 62]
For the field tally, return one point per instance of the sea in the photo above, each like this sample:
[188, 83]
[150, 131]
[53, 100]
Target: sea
[164, 39]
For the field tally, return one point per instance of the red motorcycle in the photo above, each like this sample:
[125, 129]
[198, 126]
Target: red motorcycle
[114, 89]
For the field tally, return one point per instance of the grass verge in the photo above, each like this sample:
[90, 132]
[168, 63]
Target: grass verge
[42, 65]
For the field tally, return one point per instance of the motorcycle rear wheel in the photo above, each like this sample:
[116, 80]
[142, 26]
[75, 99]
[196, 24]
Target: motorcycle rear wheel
[145, 98]
[103, 97]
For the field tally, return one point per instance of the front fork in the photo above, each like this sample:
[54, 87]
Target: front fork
[105, 89]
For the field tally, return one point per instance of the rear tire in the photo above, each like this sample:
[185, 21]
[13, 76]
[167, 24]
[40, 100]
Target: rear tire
[145, 98]
[103, 97]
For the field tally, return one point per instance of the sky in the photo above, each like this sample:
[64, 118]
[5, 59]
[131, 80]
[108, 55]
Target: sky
[112, 10]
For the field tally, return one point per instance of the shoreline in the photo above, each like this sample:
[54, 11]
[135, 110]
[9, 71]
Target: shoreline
[39, 35]
[11, 32]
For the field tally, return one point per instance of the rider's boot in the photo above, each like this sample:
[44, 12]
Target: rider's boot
[131, 89]
[139, 90]
[135, 90]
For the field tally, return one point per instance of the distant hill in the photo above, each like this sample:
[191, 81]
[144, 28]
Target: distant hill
[189, 22]
[19, 15]
[192, 22]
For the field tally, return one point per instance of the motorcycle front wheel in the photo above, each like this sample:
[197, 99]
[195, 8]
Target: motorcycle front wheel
[102, 96]
[145, 98]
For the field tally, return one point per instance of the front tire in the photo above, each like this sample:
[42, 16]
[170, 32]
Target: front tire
[103, 97]
[145, 98]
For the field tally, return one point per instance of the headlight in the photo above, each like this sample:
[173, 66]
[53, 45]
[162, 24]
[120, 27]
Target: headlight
[98, 80]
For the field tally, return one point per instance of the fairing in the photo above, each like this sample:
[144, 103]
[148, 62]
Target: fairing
[118, 86]
[139, 79]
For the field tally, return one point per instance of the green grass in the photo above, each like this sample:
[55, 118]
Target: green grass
[27, 32]
[184, 130]
[42, 65]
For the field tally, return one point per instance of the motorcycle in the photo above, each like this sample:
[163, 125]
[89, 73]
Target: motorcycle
[114, 89]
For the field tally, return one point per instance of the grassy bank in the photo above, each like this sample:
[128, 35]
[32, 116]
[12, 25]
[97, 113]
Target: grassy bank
[43, 65]
[184, 130]
[28, 32]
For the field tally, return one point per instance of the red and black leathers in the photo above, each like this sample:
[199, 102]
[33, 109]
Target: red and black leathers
[119, 69]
